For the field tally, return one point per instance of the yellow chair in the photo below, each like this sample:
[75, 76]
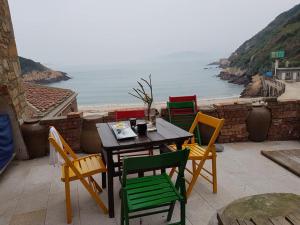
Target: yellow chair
[78, 168]
[199, 154]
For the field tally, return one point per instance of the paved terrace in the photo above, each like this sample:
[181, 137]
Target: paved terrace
[31, 191]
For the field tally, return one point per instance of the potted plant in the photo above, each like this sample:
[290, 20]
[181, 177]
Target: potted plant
[141, 93]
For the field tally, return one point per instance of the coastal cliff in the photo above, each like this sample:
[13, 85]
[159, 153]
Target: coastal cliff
[234, 75]
[253, 56]
[36, 72]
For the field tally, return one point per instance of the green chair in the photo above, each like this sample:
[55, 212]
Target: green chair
[182, 114]
[155, 191]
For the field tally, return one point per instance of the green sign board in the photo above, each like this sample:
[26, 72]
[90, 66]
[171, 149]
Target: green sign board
[277, 54]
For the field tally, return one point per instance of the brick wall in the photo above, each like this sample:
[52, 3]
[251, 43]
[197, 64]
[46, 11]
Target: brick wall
[235, 115]
[285, 123]
[68, 126]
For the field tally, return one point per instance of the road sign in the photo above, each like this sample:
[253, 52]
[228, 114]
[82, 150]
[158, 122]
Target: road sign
[278, 54]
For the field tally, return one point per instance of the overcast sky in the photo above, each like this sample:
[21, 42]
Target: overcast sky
[90, 32]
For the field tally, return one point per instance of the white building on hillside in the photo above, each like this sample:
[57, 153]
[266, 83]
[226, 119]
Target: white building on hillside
[289, 73]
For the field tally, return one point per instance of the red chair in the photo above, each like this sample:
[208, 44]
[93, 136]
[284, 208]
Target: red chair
[190, 98]
[125, 115]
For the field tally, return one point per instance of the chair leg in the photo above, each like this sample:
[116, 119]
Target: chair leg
[172, 172]
[214, 174]
[194, 179]
[122, 213]
[68, 202]
[150, 153]
[194, 165]
[182, 212]
[94, 195]
[170, 212]
[126, 216]
[95, 184]
[119, 164]
[103, 175]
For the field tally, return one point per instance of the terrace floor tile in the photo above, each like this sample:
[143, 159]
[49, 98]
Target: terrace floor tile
[32, 190]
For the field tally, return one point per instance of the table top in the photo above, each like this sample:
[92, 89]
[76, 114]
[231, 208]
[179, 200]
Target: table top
[263, 209]
[166, 133]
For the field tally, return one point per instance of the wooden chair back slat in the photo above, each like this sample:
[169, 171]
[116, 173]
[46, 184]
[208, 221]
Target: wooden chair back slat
[189, 98]
[210, 121]
[180, 108]
[185, 118]
[126, 114]
[162, 161]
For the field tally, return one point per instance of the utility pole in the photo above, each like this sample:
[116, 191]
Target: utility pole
[276, 67]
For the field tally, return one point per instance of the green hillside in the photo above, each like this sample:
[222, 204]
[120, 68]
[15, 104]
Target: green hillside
[283, 33]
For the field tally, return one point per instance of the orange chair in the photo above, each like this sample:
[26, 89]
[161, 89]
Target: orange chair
[200, 154]
[78, 168]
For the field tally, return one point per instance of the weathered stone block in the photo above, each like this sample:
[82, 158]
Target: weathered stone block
[5, 64]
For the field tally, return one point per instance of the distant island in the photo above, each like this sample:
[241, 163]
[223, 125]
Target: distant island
[252, 58]
[36, 72]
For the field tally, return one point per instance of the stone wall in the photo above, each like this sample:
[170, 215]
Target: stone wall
[9, 62]
[6, 107]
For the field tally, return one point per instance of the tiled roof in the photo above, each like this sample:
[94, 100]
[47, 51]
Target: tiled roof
[44, 98]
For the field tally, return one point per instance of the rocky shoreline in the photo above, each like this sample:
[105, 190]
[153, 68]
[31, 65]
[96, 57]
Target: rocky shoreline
[45, 77]
[35, 72]
[234, 75]
[238, 76]
[253, 86]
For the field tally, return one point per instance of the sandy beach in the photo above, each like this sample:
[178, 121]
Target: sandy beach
[103, 109]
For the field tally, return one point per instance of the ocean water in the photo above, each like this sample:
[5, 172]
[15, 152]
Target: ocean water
[110, 84]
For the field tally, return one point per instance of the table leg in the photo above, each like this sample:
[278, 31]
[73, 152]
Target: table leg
[103, 175]
[110, 186]
[161, 151]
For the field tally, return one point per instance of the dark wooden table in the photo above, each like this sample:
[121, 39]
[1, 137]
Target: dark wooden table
[166, 133]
